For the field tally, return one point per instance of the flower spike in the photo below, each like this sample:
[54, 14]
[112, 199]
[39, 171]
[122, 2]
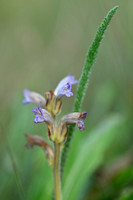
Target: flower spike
[64, 86]
[33, 97]
[47, 110]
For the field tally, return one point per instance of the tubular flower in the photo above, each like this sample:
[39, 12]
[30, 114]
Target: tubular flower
[42, 115]
[75, 118]
[33, 97]
[53, 99]
[64, 86]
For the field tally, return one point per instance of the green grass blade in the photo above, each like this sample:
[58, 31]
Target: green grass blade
[128, 195]
[90, 153]
[84, 79]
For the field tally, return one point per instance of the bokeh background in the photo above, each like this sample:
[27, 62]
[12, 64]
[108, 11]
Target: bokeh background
[40, 43]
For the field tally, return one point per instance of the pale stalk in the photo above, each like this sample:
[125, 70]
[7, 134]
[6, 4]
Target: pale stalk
[57, 183]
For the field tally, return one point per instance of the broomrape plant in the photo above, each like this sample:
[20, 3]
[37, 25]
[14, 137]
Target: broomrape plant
[47, 111]
[50, 106]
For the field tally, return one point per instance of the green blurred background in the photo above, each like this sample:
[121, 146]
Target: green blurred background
[40, 43]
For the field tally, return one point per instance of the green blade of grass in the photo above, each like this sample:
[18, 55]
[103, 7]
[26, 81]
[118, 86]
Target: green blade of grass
[91, 151]
[84, 79]
[127, 194]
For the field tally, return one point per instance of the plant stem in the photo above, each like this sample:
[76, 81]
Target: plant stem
[84, 79]
[57, 172]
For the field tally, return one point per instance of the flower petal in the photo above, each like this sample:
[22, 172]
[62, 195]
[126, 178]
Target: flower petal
[33, 97]
[39, 119]
[35, 110]
[80, 125]
[64, 86]
[42, 115]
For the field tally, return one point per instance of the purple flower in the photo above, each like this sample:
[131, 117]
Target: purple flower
[64, 86]
[39, 116]
[42, 115]
[83, 115]
[80, 122]
[33, 97]
[80, 125]
[74, 118]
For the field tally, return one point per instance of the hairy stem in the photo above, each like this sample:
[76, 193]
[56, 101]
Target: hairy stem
[56, 171]
[84, 79]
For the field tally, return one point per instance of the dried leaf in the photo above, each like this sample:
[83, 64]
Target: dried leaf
[39, 141]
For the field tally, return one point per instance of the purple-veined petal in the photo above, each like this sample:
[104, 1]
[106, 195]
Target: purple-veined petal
[64, 86]
[42, 115]
[39, 117]
[35, 110]
[66, 90]
[80, 125]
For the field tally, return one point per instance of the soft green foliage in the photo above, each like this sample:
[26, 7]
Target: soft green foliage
[119, 182]
[128, 195]
[84, 79]
[90, 155]
[32, 163]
